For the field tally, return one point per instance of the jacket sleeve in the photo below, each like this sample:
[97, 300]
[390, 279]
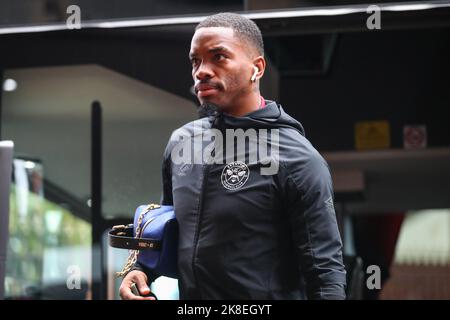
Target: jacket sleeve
[315, 233]
[151, 275]
[166, 194]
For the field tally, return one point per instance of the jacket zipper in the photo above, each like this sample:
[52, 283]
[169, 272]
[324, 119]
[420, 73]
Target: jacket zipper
[200, 210]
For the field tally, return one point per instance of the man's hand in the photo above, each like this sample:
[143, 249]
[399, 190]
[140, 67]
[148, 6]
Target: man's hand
[140, 279]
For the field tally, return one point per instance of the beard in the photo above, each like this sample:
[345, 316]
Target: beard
[207, 109]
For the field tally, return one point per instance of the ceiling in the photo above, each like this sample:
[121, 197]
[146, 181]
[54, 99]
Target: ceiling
[68, 92]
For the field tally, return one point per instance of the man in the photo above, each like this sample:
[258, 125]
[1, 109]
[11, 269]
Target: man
[248, 229]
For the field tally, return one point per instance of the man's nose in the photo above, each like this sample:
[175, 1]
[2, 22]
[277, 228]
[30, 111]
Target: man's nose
[203, 72]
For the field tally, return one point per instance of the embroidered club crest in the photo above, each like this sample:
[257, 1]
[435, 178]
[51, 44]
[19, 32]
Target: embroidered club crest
[235, 175]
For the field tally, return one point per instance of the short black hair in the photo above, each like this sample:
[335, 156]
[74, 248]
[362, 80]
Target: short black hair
[244, 28]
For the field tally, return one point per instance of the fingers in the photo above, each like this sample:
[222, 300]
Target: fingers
[141, 283]
[140, 279]
[126, 294]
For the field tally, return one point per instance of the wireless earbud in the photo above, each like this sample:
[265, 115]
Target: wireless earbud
[253, 78]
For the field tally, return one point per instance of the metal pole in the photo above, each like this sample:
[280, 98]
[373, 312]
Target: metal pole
[6, 158]
[1, 98]
[99, 285]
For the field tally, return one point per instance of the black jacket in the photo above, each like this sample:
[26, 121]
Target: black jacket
[254, 236]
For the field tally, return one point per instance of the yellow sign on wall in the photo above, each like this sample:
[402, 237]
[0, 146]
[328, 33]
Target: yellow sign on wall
[372, 135]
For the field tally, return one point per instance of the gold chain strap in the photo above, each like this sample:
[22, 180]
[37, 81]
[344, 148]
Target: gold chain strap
[132, 258]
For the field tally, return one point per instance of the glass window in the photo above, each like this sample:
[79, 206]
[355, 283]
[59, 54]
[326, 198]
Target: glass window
[46, 240]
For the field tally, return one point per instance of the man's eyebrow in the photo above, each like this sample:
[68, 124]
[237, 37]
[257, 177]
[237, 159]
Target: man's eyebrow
[211, 50]
[218, 49]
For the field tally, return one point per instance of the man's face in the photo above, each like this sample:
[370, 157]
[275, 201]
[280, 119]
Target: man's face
[221, 66]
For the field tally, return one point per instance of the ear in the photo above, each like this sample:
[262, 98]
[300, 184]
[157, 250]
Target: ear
[260, 63]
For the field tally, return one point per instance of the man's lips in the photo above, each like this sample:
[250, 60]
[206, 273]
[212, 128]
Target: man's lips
[204, 89]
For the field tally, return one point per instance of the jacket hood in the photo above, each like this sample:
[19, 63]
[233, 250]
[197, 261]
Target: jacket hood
[269, 117]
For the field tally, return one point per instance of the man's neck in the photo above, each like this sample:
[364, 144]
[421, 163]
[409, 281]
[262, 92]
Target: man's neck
[245, 105]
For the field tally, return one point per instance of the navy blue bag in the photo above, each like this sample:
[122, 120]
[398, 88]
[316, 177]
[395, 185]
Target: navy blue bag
[153, 239]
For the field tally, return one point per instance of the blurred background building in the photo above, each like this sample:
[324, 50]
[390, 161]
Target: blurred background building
[90, 111]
